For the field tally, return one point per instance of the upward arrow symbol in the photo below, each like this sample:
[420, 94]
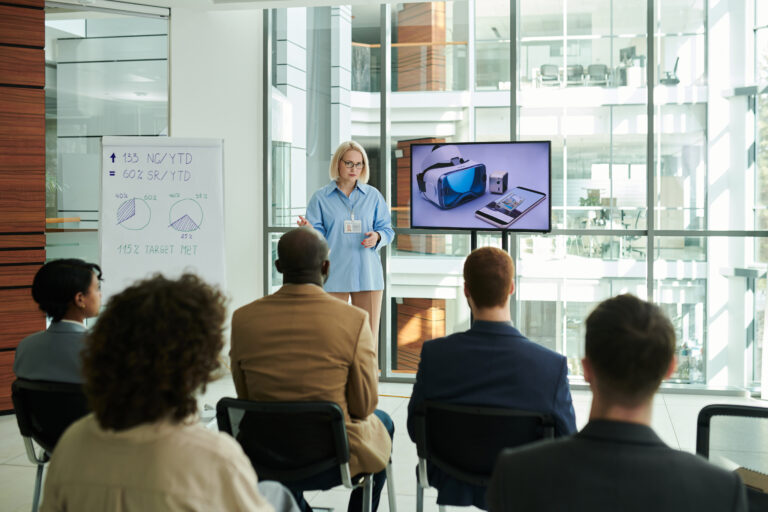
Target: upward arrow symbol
[112, 156]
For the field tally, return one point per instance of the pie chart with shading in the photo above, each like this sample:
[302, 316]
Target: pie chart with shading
[133, 214]
[186, 216]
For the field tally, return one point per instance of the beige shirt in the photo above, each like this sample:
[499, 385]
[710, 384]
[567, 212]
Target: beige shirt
[157, 467]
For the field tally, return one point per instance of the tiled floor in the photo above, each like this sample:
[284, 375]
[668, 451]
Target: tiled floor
[674, 419]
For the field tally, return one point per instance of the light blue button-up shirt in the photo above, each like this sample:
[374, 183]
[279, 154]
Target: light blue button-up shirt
[353, 267]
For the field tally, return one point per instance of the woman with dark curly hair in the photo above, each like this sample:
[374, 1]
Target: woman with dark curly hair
[68, 292]
[154, 347]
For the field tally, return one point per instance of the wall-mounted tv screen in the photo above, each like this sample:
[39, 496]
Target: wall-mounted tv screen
[481, 185]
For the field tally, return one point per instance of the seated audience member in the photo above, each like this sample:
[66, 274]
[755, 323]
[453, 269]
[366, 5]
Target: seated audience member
[68, 292]
[492, 364]
[616, 462]
[154, 346]
[302, 344]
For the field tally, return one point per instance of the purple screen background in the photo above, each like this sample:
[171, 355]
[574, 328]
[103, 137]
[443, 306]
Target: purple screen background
[527, 165]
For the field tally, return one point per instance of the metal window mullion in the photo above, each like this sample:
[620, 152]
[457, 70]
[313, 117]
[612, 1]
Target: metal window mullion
[385, 159]
[649, 167]
[513, 74]
[513, 126]
[266, 142]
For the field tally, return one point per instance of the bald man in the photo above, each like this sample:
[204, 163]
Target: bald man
[301, 344]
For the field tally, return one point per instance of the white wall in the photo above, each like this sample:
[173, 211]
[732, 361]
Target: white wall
[216, 92]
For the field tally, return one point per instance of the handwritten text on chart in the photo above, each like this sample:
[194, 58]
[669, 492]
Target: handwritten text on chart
[157, 175]
[156, 249]
[159, 158]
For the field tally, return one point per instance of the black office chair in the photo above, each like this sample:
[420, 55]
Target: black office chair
[464, 440]
[736, 436]
[292, 441]
[549, 74]
[597, 74]
[575, 74]
[44, 410]
[671, 78]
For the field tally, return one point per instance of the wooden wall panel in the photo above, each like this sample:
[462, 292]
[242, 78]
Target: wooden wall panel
[22, 26]
[427, 244]
[22, 114]
[22, 202]
[22, 256]
[22, 176]
[6, 378]
[22, 159]
[17, 275]
[22, 66]
[20, 317]
[39, 4]
[27, 241]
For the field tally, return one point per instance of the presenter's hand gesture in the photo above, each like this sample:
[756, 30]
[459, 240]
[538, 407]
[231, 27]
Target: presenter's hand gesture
[302, 222]
[371, 239]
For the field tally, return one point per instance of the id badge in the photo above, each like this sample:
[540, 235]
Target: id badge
[353, 226]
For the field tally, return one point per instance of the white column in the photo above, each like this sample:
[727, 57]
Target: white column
[341, 75]
[729, 193]
[216, 91]
[291, 80]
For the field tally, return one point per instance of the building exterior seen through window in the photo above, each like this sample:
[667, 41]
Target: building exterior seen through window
[579, 77]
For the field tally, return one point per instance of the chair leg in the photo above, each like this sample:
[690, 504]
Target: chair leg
[368, 493]
[391, 488]
[38, 484]
[419, 497]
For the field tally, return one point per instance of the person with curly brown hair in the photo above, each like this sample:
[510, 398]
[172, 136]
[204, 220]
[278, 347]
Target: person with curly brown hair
[154, 346]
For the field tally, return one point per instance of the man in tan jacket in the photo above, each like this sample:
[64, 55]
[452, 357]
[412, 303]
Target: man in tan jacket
[301, 344]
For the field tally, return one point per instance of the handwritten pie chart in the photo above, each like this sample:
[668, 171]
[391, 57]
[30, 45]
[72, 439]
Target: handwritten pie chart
[133, 214]
[186, 215]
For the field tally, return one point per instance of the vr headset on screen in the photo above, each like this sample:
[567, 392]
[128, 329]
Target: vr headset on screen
[448, 180]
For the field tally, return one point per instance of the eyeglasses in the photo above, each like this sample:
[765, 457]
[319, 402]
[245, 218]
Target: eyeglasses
[349, 165]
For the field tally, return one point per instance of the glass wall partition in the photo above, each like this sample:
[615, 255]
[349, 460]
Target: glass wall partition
[106, 74]
[638, 203]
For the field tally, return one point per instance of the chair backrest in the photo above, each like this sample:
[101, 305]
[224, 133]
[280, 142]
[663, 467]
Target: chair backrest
[45, 409]
[548, 71]
[286, 441]
[464, 440]
[575, 71]
[734, 435]
[597, 71]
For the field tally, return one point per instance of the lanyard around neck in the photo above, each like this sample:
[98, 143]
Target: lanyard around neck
[349, 208]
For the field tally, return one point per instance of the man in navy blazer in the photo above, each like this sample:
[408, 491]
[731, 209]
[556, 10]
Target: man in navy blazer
[616, 462]
[491, 364]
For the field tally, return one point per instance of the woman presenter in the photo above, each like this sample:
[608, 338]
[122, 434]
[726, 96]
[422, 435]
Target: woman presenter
[354, 219]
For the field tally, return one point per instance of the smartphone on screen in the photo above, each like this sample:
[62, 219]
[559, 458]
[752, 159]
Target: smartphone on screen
[510, 208]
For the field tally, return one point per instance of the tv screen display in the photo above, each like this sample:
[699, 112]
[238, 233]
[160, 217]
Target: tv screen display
[481, 185]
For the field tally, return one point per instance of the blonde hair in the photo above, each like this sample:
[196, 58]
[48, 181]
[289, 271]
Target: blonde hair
[349, 145]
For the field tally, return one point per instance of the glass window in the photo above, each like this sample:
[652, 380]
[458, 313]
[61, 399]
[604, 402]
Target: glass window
[492, 46]
[582, 85]
[429, 46]
[681, 16]
[762, 14]
[565, 277]
[492, 124]
[311, 102]
[761, 144]
[681, 166]
[366, 48]
[105, 75]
